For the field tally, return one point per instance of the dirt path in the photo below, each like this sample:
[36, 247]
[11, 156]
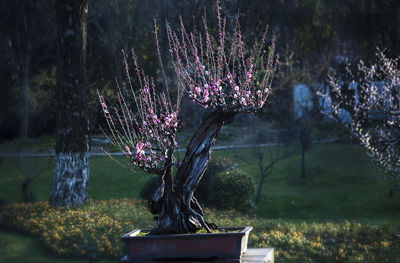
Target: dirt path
[221, 147]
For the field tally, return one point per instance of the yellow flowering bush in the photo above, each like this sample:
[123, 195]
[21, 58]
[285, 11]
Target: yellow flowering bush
[318, 242]
[94, 230]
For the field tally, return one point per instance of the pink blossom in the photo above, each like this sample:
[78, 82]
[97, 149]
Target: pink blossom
[139, 149]
[128, 150]
[104, 106]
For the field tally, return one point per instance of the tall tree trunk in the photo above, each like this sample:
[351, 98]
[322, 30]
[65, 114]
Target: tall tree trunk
[263, 172]
[303, 162]
[187, 214]
[260, 186]
[71, 170]
[25, 98]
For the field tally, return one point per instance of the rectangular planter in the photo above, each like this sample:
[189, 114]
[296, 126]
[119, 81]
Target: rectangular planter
[227, 245]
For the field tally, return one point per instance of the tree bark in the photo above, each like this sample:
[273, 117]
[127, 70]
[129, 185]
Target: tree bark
[178, 210]
[259, 189]
[303, 162]
[71, 170]
[263, 172]
[25, 98]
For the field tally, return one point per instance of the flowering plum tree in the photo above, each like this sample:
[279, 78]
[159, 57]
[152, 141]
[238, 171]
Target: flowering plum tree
[222, 76]
[370, 98]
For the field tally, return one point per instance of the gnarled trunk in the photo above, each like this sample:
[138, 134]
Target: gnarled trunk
[178, 210]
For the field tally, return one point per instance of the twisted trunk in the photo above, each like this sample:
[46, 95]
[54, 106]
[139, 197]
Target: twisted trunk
[178, 210]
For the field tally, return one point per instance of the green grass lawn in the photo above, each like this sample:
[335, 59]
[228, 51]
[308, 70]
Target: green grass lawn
[17, 247]
[341, 184]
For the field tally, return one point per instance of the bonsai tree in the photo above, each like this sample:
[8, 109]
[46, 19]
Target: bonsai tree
[366, 100]
[221, 76]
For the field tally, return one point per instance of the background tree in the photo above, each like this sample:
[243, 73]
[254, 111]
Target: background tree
[294, 107]
[311, 29]
[71, 171]
[26, 47]
[30, 170]
[119, 25]
[373, 108]
[305, 122]
[269, 145]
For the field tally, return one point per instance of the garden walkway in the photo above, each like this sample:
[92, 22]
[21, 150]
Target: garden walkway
[100, 153]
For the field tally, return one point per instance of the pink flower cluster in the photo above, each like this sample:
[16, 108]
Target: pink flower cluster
[229, 91]
[146, 136]
[219, 75]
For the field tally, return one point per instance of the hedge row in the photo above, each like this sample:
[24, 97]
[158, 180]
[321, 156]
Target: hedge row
[94, 231]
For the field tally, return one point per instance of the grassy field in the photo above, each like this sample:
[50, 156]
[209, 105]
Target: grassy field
[18, 247]
[341, 184]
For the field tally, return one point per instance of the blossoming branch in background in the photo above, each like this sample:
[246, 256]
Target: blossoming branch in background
[374, 110]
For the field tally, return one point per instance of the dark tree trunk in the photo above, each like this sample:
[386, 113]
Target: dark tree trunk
[263, 173]
[303, 162]
[71, 170]
[260, 186]
[259, 189]
[26, 194]
[25, 98]
[178, 210]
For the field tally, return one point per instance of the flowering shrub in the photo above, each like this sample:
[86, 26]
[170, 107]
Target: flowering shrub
[94, 230]
[370, 96]
[330, 242]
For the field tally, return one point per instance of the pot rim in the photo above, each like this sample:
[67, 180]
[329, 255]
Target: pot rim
[242, 232]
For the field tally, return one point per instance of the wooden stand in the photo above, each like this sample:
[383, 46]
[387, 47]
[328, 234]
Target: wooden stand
[253, 255]
[258, 255]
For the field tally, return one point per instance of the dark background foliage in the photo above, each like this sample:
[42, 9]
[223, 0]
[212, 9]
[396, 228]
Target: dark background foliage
[311, 35]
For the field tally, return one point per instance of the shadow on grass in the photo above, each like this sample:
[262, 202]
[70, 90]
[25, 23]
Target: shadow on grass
[17, 247]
